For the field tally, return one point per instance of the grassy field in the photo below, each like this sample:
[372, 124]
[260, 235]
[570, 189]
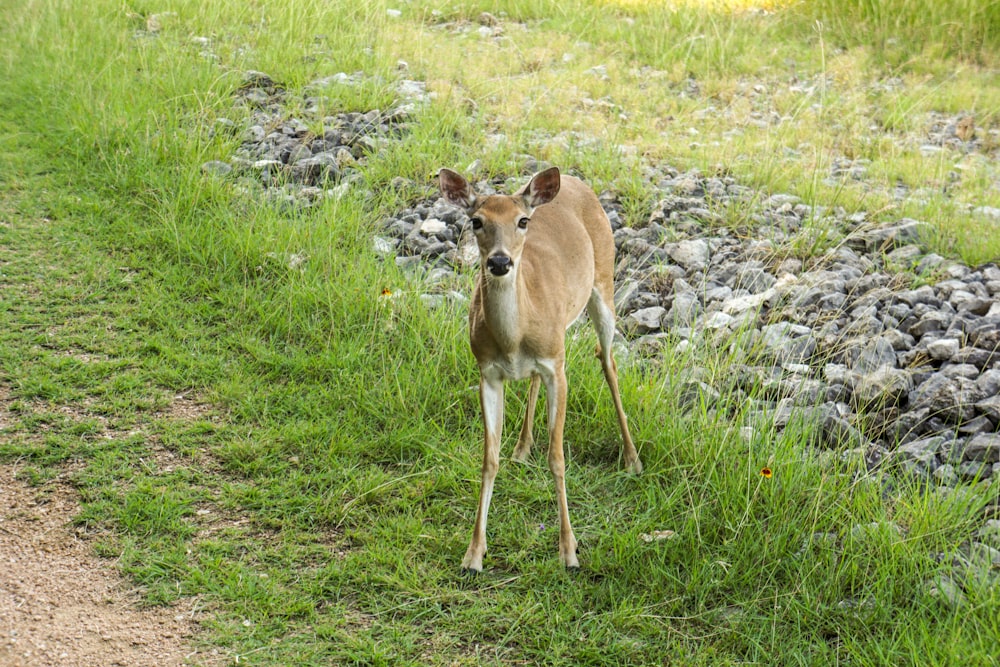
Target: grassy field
[302, 455]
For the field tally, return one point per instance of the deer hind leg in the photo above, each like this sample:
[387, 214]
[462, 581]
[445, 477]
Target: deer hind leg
[526, 439]
[601, 311]
[491, 401]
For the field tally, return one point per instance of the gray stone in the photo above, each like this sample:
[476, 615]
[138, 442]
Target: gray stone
[979, 557]
[752, 279]
[990, 407]
[693, 255]
[408, 263]
[973, 471]
[899, 340]
[741, 304]
[930, 262]
[976, 356]
[905, 232]
[945, 475]
[862, 531]
[946, 590]
[642, 250]
[912, 424]
[254, 134]
[967, 371]
[882, 387]
[788, 343]
[268, 166]
[685, 308]
[872, 355]
[951, 399]
[433, 301]
[988, 383]
[804, 391]
[943, 348]
[625, 291]
[694, 393]
[720, 293]
[924, 294]
[963, 301]
[436, 249]
[922, 451]
[932, 321]
[838, 373]
[987, 212]
[719, 320]
[838, 433]
[986, 334]
[299, 152]
[990, 533]
[384, 246]
[432, 226]
[217, 168]
[644, 320]
[316, 168]
[904, 256]
[980, 424]
[983, 447]
[867, 325]
[833, 301]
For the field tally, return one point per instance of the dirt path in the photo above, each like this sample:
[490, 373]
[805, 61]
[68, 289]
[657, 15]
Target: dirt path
[60, 604]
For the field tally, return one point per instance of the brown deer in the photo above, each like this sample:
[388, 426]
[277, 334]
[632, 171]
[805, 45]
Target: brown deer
[546, 253]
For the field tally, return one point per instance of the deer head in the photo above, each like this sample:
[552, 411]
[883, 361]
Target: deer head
[500, 222]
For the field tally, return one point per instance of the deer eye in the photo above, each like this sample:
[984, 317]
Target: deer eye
[477, 224]
[522, 223]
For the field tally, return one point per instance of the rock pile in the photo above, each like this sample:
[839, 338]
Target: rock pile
[889, 349]
[300, 159]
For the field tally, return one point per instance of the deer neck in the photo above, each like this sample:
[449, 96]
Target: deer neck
[504, 307]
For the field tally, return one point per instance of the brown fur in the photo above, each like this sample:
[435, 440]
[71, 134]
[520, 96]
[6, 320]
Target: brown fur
[560, 264]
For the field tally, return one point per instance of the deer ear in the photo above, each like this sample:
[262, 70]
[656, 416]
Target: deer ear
[543, 188]
[456, 189]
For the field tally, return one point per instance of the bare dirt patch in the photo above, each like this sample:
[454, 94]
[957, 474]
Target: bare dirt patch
[60, 604]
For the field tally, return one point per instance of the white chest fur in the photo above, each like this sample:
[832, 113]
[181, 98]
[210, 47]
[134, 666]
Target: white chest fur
[516, 367]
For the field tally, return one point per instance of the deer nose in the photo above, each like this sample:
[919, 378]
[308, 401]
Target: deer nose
[499, 265]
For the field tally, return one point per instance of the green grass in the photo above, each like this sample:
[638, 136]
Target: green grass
[302, 454]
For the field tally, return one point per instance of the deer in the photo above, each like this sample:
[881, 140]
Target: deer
[546, 253]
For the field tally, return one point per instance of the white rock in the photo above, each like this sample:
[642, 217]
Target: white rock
[432, 226]
[943, 349]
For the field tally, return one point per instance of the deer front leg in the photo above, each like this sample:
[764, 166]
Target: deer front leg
[555, 387]
[526, 439]
[491, 402]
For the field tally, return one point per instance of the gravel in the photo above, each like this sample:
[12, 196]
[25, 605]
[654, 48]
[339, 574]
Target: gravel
[299, 160]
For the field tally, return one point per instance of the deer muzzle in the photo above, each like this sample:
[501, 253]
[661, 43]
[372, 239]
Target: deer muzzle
[499, 265]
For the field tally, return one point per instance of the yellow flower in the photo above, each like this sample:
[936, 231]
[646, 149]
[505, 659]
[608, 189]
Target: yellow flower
[766, 472]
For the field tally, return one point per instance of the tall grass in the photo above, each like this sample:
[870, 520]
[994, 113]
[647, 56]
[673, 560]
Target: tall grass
[339, 484]
[900, 30]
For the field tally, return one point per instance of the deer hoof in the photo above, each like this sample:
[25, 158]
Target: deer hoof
[634, 468]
